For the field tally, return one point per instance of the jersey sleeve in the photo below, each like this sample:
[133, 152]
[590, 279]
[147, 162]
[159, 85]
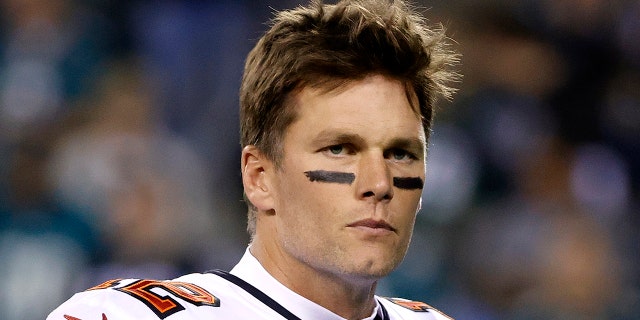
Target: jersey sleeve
[98, 305]
[135, 299]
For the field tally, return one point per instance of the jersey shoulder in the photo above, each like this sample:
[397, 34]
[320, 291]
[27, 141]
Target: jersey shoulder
[399, 308]
[125, 299]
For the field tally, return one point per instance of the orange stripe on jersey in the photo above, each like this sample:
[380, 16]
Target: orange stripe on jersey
[106, 284]
[416, 306]
[68, 317]
[411, 305]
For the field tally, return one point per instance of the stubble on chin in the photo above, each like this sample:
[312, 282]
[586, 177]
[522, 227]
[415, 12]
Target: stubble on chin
[370, 267]
[358, 262]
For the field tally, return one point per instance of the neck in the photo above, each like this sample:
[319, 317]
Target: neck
[346, 297]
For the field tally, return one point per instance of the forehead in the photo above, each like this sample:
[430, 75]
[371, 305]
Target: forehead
[375, 104]
[328, 87]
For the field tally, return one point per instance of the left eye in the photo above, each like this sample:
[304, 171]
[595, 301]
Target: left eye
[401, 155]
[337, 149]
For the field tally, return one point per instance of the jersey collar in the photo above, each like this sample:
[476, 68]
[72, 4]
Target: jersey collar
[250, 270]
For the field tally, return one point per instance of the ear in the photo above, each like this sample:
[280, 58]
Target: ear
[255, 178]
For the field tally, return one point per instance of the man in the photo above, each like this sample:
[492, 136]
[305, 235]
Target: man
[336, 107]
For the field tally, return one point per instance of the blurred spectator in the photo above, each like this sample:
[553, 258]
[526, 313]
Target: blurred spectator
[542, 255]
[194, 51]
[146, 189]
[50, 50]
[43, 244]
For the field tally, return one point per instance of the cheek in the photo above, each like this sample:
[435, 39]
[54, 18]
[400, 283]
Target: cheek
[307, 217]
[311, 205]
[408, 206]
[297, 197]
[409, 197]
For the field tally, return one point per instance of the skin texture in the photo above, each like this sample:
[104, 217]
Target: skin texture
[331, 242]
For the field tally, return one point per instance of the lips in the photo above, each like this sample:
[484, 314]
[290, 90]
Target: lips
[373, 224]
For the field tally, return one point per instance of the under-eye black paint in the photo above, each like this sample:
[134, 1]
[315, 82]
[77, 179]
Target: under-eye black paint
[330, 176]
[410, 183]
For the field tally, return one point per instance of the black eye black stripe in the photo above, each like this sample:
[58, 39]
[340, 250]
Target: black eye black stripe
[408, 183]
[330, 176]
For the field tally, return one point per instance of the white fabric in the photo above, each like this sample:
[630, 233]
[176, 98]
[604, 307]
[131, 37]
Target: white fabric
[177, 300]
[251, 271]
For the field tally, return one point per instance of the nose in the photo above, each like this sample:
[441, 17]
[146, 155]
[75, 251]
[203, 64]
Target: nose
[374, 179]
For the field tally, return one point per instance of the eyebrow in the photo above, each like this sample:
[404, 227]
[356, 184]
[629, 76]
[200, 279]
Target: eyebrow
[415, 145]
[332, 136]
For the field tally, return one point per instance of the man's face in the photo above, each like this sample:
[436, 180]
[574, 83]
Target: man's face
[349, 187]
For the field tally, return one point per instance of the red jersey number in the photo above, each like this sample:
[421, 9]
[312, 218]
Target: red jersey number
[164, 305]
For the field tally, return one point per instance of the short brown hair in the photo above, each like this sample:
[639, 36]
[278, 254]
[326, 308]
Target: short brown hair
[324, 46]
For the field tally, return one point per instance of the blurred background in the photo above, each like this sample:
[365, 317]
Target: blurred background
[119, 153]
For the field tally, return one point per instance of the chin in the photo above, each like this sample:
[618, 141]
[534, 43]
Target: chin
[376, 269]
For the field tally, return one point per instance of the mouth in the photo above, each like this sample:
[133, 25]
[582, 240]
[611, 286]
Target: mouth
[374, 225]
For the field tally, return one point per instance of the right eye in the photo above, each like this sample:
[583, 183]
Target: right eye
[337, 149]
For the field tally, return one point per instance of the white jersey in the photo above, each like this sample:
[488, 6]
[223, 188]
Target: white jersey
[247, 292]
